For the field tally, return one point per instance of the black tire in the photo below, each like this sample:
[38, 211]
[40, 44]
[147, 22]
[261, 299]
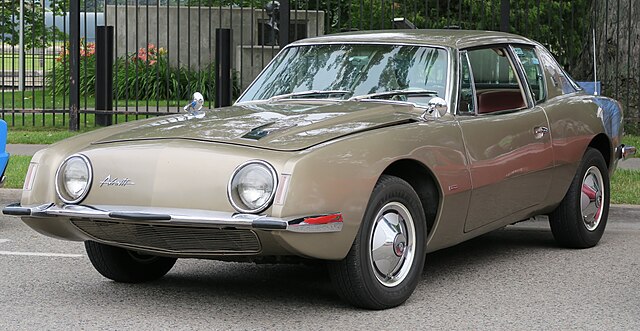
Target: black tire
[571, 223]
[125, 266]
[358, 278]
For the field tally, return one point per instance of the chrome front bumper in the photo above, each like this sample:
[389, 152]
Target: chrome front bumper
[324, 223]
[624, 152]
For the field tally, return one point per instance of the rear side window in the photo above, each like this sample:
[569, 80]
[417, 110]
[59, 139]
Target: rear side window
[558, 83]
[497, 87]
[533, 72]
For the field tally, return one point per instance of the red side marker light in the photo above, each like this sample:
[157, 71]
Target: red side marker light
[333, 218]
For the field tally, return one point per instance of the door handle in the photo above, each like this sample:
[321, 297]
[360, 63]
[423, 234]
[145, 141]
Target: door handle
[540, 131]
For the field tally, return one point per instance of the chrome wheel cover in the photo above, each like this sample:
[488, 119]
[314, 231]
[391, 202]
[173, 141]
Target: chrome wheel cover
[392, 241]
[591, 198]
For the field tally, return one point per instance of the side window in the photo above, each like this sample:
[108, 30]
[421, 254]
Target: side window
[496, 83]
[533, 72]
[558, 83]
[466, 105]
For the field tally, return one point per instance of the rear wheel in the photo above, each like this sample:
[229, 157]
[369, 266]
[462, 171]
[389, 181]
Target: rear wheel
[580, 219]
[386, 259]
[126, 266]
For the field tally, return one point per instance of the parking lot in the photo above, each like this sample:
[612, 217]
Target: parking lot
[514, 278]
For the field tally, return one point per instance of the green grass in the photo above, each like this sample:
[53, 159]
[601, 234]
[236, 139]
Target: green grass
[38, 128]
[39, 137]
[37, 99]
[16, 171]
[625, 187]
[29, 129]
[630, 140]
[50, 122]
[41, 99]
[31, 61]
[30, 121]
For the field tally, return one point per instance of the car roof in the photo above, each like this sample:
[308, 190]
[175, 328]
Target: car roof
[446, 38]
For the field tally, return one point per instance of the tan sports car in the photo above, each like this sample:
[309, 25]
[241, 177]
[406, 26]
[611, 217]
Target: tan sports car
[367, 150]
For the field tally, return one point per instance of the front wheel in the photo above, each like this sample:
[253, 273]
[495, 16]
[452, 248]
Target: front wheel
[386, 259]
[126, 266]
[581, 217]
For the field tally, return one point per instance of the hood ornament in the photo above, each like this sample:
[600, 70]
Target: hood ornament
[193, 110]
[194, 107]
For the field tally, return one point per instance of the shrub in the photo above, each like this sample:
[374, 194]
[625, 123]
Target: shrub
[144, 75]
[58, 84]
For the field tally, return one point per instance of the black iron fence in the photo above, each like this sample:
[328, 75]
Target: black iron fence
[163, 50]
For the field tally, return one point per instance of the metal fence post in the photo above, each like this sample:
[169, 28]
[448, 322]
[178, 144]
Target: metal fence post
[285, 23]
[21, 60]
[104, 75]
[74, 65]
[223, 68]
[504, 15]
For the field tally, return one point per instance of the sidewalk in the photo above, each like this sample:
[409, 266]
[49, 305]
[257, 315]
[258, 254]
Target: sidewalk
[24, 149]
[633, 163]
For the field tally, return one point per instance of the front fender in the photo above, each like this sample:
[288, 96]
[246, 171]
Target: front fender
[340, 176]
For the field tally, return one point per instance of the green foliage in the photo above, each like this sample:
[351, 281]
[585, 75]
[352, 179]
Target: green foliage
[59, 85]
[37, 34]
[148, 75]
[625, 186]
[227, 3]
[145, 75]
[92, 6]
[139, 80]
[562, 26]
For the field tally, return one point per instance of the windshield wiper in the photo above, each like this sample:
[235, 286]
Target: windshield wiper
[394, 93]
[308, 93]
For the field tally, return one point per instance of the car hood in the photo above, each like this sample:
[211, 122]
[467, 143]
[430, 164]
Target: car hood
[283, 125]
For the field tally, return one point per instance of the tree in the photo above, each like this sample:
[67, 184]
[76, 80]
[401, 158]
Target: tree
[35, 32]
[617, 48]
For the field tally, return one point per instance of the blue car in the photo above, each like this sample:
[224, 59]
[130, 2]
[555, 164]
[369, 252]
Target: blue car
[4, 156]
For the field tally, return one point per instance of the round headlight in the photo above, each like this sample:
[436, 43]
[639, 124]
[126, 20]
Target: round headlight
[73, 178]
[252, 186]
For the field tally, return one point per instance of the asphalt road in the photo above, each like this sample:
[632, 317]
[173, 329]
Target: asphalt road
[511, 279]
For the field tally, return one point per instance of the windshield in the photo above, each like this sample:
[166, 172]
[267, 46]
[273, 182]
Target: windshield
[347, 71]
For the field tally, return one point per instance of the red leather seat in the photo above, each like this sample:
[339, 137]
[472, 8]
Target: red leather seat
[490, 101]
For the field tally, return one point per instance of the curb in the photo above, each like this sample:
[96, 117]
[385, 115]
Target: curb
[11, 194]
[626, 206]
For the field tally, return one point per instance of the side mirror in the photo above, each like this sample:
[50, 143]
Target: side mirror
[437, 107]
